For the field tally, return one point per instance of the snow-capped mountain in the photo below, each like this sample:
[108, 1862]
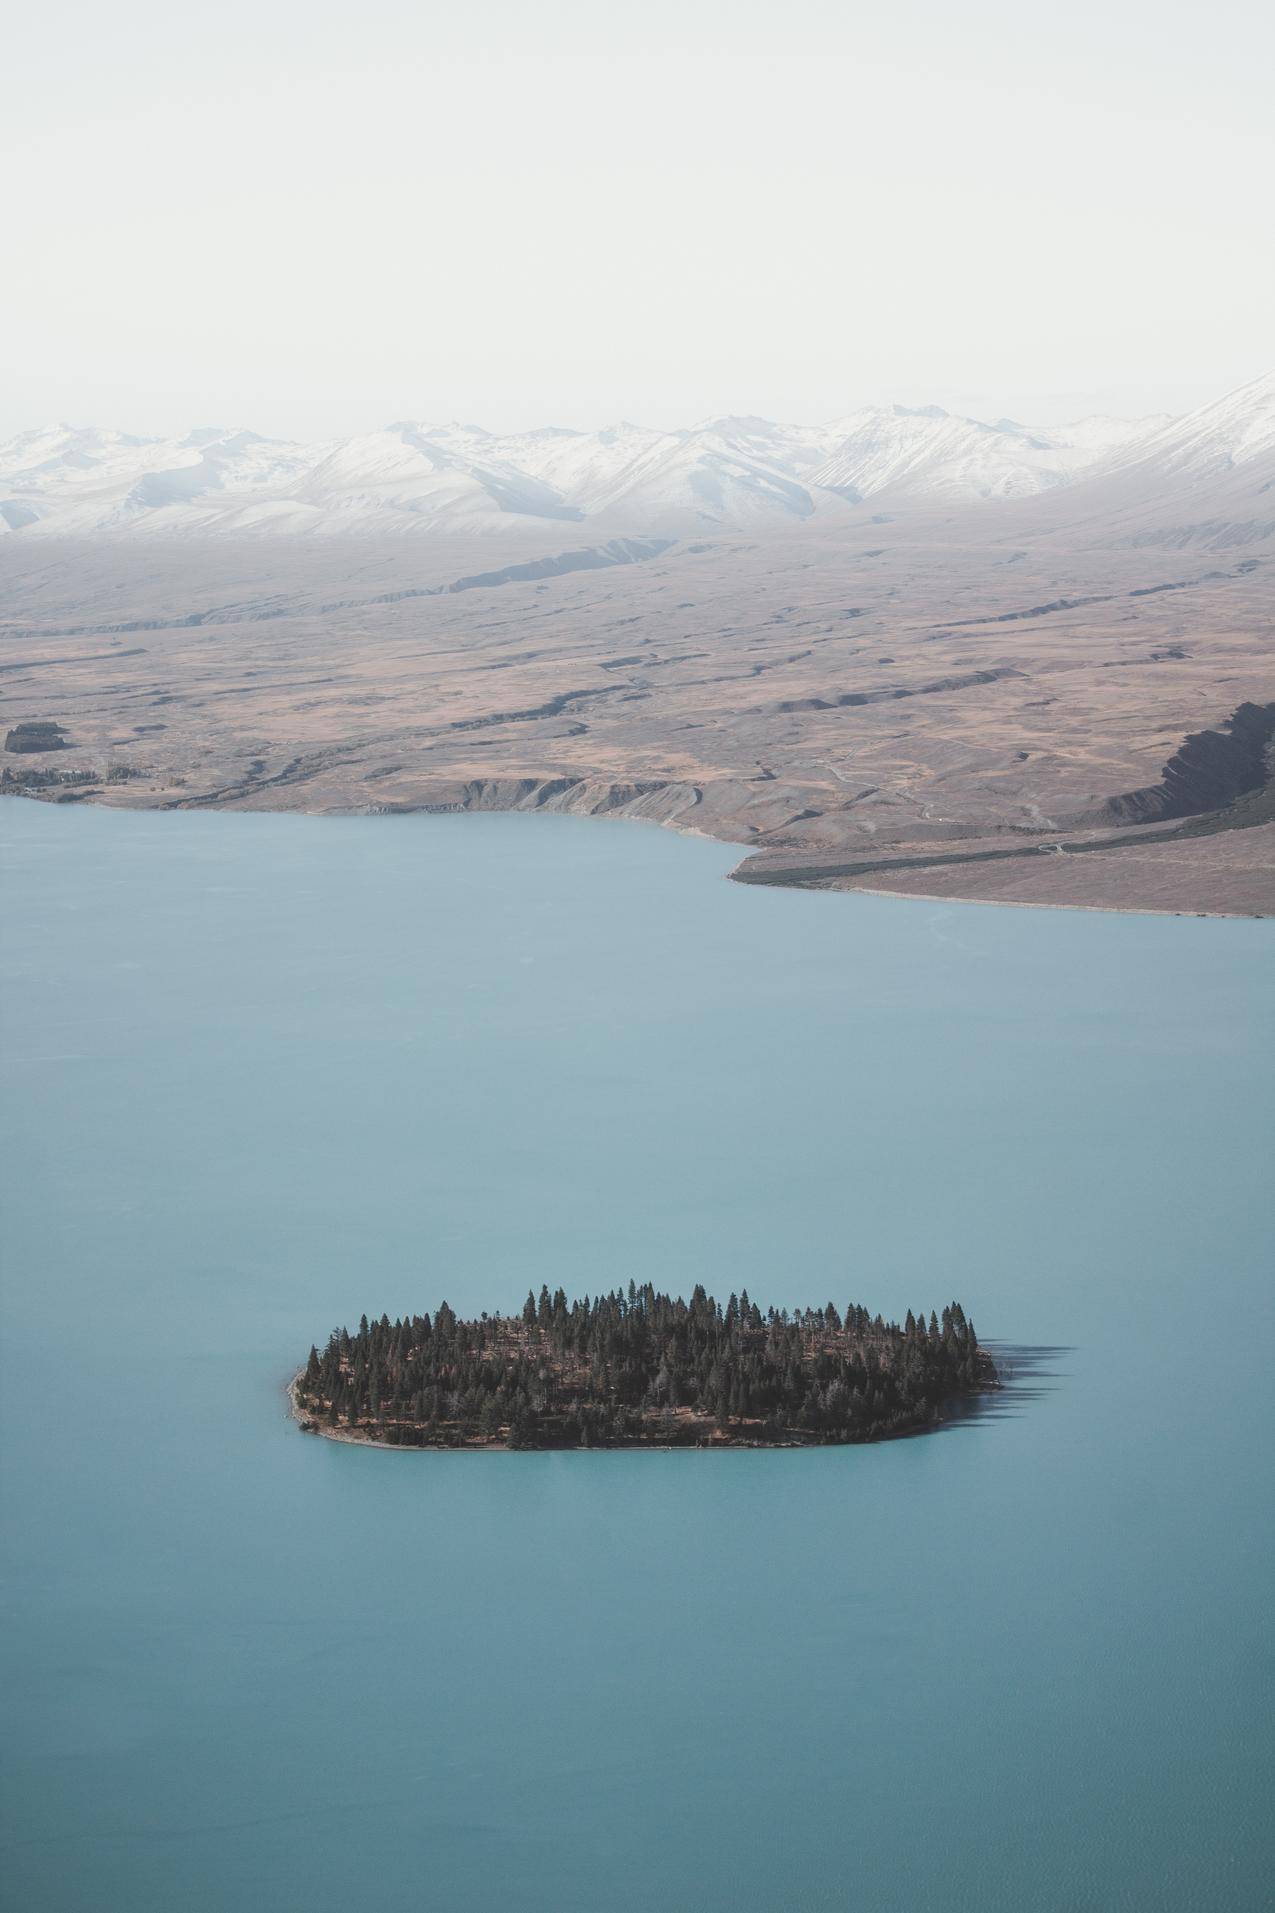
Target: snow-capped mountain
[452, 473]
[89, 481]
[924, 450]
[1215, 438]
[1099, 433]
[1204, 482]
[742, 472]
[726, 471]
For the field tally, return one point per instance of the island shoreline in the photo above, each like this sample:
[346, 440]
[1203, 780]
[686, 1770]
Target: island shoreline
[308, 1424]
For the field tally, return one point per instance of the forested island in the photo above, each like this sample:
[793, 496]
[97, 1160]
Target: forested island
[640, 1369]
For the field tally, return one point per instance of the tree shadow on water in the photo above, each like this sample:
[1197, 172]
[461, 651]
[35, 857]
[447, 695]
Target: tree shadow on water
[1027, 1373]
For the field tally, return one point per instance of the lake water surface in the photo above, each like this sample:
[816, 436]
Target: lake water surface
[263, 1073]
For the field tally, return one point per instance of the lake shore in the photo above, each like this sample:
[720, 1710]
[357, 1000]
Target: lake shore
[737, 698]
[1251, 879]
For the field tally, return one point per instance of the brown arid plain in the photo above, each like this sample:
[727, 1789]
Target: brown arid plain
[1063, 700]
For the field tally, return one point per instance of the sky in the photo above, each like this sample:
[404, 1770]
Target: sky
[312, 218]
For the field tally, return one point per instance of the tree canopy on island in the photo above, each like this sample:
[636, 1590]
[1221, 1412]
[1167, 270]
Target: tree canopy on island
[641, 1368]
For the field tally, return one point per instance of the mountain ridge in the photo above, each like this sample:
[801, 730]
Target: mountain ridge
[737, 471]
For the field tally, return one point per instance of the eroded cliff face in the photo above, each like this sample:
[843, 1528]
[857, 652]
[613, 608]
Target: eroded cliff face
[657, 801]
[1210, 771]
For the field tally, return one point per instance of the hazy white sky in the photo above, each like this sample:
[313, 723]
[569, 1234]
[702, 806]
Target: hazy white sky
[314, 217]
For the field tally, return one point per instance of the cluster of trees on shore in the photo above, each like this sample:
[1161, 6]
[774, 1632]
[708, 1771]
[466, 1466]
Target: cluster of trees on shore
[33, 779]
[641, 1368]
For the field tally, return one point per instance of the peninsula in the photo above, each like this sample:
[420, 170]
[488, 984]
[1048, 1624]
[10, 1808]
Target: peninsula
[640, 1369]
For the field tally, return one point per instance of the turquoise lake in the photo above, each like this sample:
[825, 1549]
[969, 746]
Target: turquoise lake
[263, 1073]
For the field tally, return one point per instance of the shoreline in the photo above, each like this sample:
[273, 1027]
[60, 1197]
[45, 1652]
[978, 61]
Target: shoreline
[307, 1425]
[778, 882]
[1032, 903]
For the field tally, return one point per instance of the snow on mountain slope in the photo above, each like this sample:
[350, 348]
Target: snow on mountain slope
[1205, 482]
[410, 471]
[57, 450]
[927, 453]
[744, 472]
[1216, 437]
[398, 479]
[88, 481]
[1098, 433]
[730, 471]
[585, 466]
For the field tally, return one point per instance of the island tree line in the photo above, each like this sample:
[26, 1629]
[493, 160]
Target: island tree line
[641, 1368]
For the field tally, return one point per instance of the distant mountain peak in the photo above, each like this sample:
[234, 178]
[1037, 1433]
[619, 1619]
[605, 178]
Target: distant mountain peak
[732, 424]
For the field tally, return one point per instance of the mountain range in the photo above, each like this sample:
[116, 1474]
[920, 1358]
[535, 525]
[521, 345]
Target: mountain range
[741, 473]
